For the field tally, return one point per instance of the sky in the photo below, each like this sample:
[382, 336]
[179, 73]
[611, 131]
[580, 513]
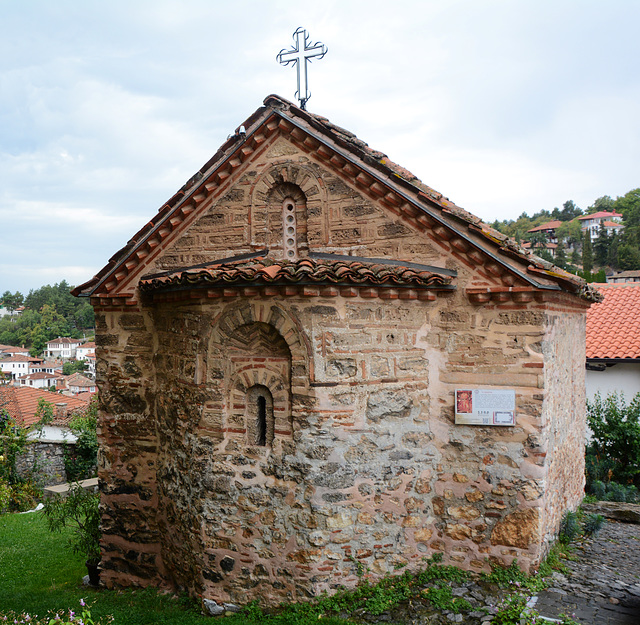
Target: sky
[108, 108]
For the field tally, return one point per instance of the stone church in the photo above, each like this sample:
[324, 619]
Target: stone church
[278, 354]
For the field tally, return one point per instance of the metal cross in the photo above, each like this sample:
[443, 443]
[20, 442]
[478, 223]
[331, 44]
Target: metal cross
[302, 52]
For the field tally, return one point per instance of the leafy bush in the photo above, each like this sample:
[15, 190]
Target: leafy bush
[593, 524]
[5, 495]
[614, 492]
[80, 459]
[80, 510]
[569, 527]
[614, 451]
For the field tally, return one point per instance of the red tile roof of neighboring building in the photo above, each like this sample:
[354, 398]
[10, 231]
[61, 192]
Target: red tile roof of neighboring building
[22, 404]
[599, 215]
[77, 379]
[549, 225]
[613, 325]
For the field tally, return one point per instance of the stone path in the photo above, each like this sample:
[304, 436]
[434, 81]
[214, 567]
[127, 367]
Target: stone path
[603, 587]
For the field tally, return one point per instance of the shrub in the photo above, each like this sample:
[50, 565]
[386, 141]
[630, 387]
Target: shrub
[80, 459]
[5, 495]
[80, 509]
[569, 527]
[614, 451]
[592, 524]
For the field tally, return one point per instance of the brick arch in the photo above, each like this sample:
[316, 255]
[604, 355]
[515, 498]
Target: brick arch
[240, 420]
[236, 315]
[284, 179]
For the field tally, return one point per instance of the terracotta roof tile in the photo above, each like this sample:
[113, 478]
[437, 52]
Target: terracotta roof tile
[265, 271]
[549, 225]
[22, 403]
[613, 326]
[599, 215]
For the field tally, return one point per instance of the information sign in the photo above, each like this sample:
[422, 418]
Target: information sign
[485, 407]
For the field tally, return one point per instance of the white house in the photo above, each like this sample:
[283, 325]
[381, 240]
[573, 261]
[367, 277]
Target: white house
[41, 379]
[85, 349]
[15, 366]
[610, 221]
[62, 347]
[613, 341]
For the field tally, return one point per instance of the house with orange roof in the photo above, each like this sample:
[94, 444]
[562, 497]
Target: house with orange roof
[613, 341]
[549, 229]
[16, 366]
[62, 347]
[86, 349]
[40, 379]
[78, 383]
[610, 221]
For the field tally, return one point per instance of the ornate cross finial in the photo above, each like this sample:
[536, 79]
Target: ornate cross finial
[302, 52]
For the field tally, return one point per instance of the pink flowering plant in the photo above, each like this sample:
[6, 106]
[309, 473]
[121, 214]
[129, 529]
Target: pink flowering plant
[81, 616]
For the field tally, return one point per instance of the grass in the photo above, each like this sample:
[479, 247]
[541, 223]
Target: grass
[39, 573]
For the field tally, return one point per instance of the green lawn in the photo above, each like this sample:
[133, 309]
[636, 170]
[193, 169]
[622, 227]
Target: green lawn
[39, 573]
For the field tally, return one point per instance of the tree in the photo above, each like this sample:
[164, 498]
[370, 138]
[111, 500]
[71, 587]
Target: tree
[604, 203]
[561, 256]
[569, 211]
[12, 301]
[587, 253]
[628, 257]
[570, 232]
[601, 246]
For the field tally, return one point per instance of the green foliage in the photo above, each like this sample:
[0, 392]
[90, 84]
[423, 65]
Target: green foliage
[615, 443]
[50, 311]
[11, 301]
[593, 524]
[512, 610]
[441, 597]
[569, 527]
[13, 440]
[79, 510]
[80, 459]
[61, 617]
[73, 366]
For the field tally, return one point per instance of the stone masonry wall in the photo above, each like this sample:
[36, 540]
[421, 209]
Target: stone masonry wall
[128, 449]
[374, 470]
[45, 461]
[564, 408]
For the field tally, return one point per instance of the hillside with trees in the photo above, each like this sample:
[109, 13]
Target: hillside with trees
[576, 250]
[49, 312]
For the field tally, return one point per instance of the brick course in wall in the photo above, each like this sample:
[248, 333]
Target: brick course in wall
[274, 412]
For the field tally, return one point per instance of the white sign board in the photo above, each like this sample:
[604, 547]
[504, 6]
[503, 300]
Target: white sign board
[485, 407]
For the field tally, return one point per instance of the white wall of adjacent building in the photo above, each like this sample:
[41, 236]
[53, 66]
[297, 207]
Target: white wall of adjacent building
[623, 378]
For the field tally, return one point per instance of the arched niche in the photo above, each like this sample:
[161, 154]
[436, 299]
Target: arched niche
[272, 195]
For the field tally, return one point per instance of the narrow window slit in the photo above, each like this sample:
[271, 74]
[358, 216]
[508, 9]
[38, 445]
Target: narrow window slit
[261, 436]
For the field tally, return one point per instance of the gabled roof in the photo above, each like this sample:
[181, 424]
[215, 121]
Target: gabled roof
[40, 375]
[77, 379]
[373, 173]
[613, 325]
[600, 215]
[22, 403]
[549, 225]
[65, 340]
